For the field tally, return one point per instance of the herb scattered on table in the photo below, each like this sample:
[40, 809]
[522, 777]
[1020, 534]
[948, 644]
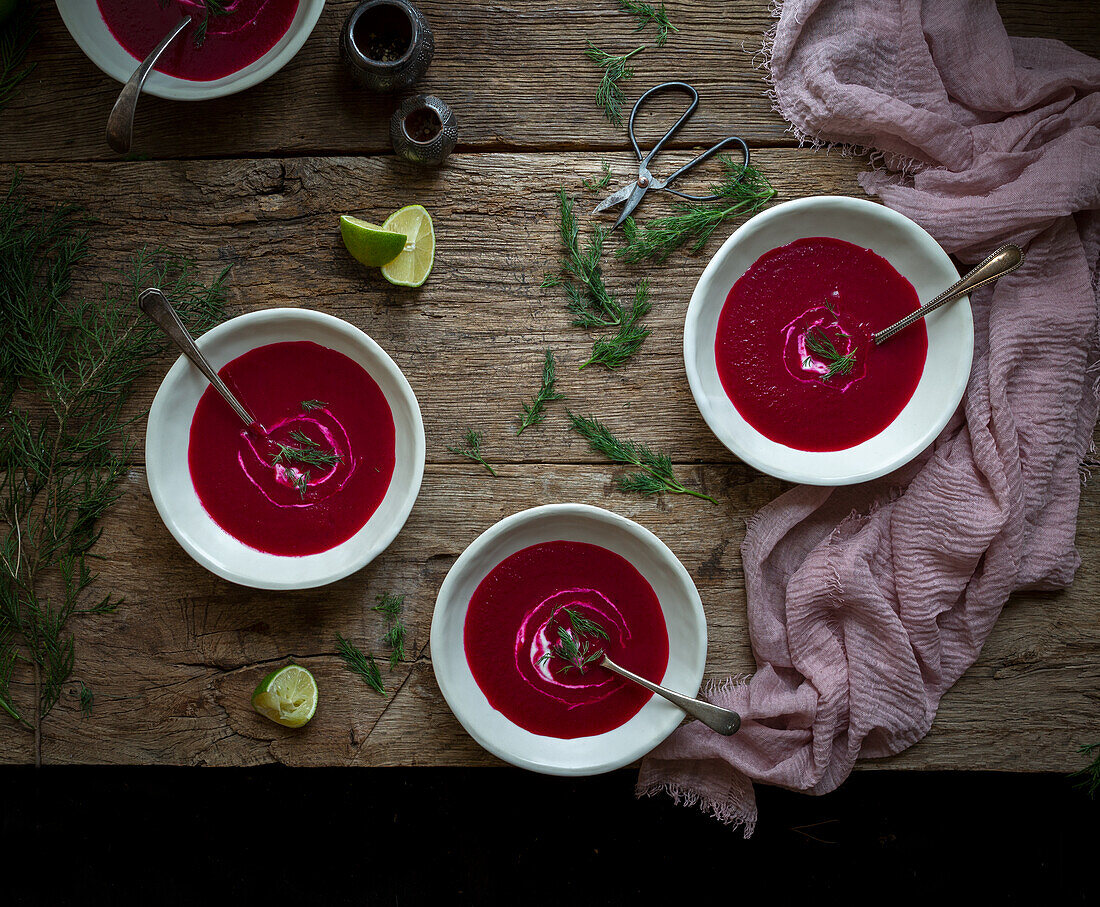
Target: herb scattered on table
[610, 95]
[654, 473]
[87, 700]
[592, 184]
[535, 411]
[1090, 774]
[67, 366]
[391, 606]
[15, 40]
[589, 301]
[825, 352]
[645, 13]
[358, 663]
[573, 648]
[471, 448]
[743, 190]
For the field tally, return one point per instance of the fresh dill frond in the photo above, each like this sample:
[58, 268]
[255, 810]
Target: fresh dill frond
[87, 700]
[308, 405]
[610, 95]
[584, 626]
[654, 473]
[471, 449]
[310, 454]
[358, 663]
[15, 40]
[588, 299]
[67, 368]
[210, 8]
[535, 411]
[645, 13]
[592, 184]
[301, 481]
[613, 351]
[395, 639]
[743, 191]
[389, 605]
[1090, 775]
[818, 343]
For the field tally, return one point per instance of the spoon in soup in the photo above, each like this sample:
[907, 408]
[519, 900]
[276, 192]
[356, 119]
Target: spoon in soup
[120, 124]
[724, 721]
[156, 305]
[1003, 261]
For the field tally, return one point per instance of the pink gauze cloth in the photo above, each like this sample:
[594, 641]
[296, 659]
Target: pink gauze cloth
[866, 604]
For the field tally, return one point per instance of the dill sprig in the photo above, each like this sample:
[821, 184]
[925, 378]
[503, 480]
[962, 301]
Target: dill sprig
[1090, 775]
[645, 13]
[613, 351]
[609, 95]
[535, 411]
[592, 184]
[818, 343]
[743, 190]
[358, 663]
[308, 405]
[67, 366]
[589, 301]
[391, 605]
[471, 448]
[15, 40]
[210, 8]
[310, 453]
[654, 473]
[572, 647]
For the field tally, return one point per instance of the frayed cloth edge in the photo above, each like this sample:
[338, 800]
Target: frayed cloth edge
[726, 813]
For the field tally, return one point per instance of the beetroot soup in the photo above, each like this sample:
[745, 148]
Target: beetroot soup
[538, 624]
[320, 466]
[794, 348]
[215, 46]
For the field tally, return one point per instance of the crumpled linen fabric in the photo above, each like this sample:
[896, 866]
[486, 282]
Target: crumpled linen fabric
[866, 604]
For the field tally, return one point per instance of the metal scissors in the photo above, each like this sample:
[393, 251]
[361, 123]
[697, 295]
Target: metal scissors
[631, 194]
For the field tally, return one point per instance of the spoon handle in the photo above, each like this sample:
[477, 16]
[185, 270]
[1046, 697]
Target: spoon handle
[156, 305]
[1006, 259]
[120, 124]
[724, 721]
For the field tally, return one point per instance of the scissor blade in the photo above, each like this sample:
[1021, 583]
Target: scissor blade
[615, 198]
[631, 204]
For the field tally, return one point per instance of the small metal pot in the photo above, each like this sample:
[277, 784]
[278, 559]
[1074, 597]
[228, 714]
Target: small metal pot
[423, 130]
[386, 45]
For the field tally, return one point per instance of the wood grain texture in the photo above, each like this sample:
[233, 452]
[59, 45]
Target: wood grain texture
[173, 670]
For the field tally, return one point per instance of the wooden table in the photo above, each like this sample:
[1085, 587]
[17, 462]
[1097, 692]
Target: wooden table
[258, 179]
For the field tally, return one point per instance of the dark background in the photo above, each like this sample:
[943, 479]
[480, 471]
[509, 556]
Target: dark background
[503, 836]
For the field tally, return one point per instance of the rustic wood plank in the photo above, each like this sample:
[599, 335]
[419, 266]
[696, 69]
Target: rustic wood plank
[174, 668]
[482, 312]
[502, 66]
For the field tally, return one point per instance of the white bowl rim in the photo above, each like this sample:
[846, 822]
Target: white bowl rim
[161, 85]
[392, 528]
[645, 744]
[803, 475]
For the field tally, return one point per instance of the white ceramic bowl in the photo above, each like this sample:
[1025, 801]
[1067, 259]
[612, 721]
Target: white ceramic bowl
[168, 433]
[84, 22]
[684, 618]
[916, 256]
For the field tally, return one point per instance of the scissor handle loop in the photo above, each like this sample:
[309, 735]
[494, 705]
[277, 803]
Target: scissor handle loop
[733, 139]
[684, 117]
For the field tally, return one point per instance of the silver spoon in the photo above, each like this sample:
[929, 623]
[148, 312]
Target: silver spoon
[156, 305]
[120, 124]
[1003, 261]
[724, 721]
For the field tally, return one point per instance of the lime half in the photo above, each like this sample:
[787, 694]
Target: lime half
[287, 696]
[368, 244]
[412, 267]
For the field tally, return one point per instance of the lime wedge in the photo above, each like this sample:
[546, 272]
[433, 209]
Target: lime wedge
[287, 696]
[412, 267]
[368, 244]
